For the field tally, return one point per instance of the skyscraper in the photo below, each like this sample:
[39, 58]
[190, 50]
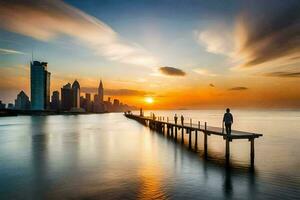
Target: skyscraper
[100, 92]
[2, 105]
[55, 104]
[88, 97]
[98, 99]
[76, 94]
[40, 85]
[22, 102]
[116, 105]
[66, 97]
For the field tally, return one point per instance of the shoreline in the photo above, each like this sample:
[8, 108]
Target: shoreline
[13, 113]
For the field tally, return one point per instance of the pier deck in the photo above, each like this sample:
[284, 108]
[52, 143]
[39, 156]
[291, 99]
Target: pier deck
[173, 129]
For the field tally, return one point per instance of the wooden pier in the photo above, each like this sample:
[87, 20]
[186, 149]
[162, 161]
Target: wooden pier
[172, 129]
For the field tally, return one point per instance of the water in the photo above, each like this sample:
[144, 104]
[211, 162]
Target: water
[110, 157]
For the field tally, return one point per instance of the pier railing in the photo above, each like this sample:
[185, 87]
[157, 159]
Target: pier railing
[166, 126]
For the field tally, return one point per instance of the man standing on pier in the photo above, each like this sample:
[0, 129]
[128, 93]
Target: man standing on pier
[175, 118]
[228, 121]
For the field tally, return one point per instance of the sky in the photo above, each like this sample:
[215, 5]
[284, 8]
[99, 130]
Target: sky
[184, 54]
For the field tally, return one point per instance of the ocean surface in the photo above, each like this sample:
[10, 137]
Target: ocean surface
[107, 156]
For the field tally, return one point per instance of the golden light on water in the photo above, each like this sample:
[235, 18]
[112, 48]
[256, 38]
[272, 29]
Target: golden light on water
[149, 100]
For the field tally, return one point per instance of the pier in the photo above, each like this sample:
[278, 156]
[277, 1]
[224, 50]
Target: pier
[173, 129]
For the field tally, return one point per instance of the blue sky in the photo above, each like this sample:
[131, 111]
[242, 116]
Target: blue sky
[126, 43]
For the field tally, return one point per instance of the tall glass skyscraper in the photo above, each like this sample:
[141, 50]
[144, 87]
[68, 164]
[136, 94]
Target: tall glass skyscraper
[40, 85]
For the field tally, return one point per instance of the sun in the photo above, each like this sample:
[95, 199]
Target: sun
[149, 100]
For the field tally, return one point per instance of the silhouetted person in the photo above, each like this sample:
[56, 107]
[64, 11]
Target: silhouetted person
[141, 112]
[175, 119]
[182, 119]
[228, 120]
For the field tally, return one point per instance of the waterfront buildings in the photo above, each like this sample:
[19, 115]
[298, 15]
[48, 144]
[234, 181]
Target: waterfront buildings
[98, 99]
[10, 106]
[22, 102]
[116, 105]
[2, 105]
[70, 100]
[55, 103]
[40, 85]
[101, 92]
[76, 95]
[66, 97]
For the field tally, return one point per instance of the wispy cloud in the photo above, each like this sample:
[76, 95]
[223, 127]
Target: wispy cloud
[10, 51]
[284, 74]
[172, 71]
[204, 72]
[216, 39]
[48, 19]
[264, 34]
[269, 31]
[240, 88]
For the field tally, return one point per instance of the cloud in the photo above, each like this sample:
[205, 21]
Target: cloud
[284, 74]
[10, 51]
[117, 92]
[211, 85]
[49, 19]
[263, 34]
[268, 32]
[172, 71]
[204, 72]
[216, 39]
[240, 88]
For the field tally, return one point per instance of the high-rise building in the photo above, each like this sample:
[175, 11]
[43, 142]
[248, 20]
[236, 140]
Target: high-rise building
[22, 102]
[66, 97]
[2, 105]
[10, 106]
[76, 94]
[83, 103]
[116, 105]
[55, 104]
[40, 85]
[88, 97]
[108, 105]
[100, 92]
[89, 107]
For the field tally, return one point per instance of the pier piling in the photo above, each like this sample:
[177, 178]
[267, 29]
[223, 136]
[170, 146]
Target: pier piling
[162, 127]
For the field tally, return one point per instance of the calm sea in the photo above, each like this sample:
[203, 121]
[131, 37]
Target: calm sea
[107, 156]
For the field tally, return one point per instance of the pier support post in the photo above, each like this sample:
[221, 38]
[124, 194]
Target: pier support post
[172, 131]
[182, 135]
[205, 140]
[227, 153]
[196, 139]
[252, 151]
[175, 132]
[190, 138]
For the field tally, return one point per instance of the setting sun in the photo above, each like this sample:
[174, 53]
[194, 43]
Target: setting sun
[149, 100]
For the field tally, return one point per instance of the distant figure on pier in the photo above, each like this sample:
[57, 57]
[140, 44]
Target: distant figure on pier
[141, 112]
[182, 119]
[175, 119]
[228, 120]
[153, 116]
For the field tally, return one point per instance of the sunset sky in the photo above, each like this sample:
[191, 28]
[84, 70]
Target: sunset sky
[181, 53]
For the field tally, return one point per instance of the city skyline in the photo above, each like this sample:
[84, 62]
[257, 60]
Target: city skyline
[158, 55]
[69, 100]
